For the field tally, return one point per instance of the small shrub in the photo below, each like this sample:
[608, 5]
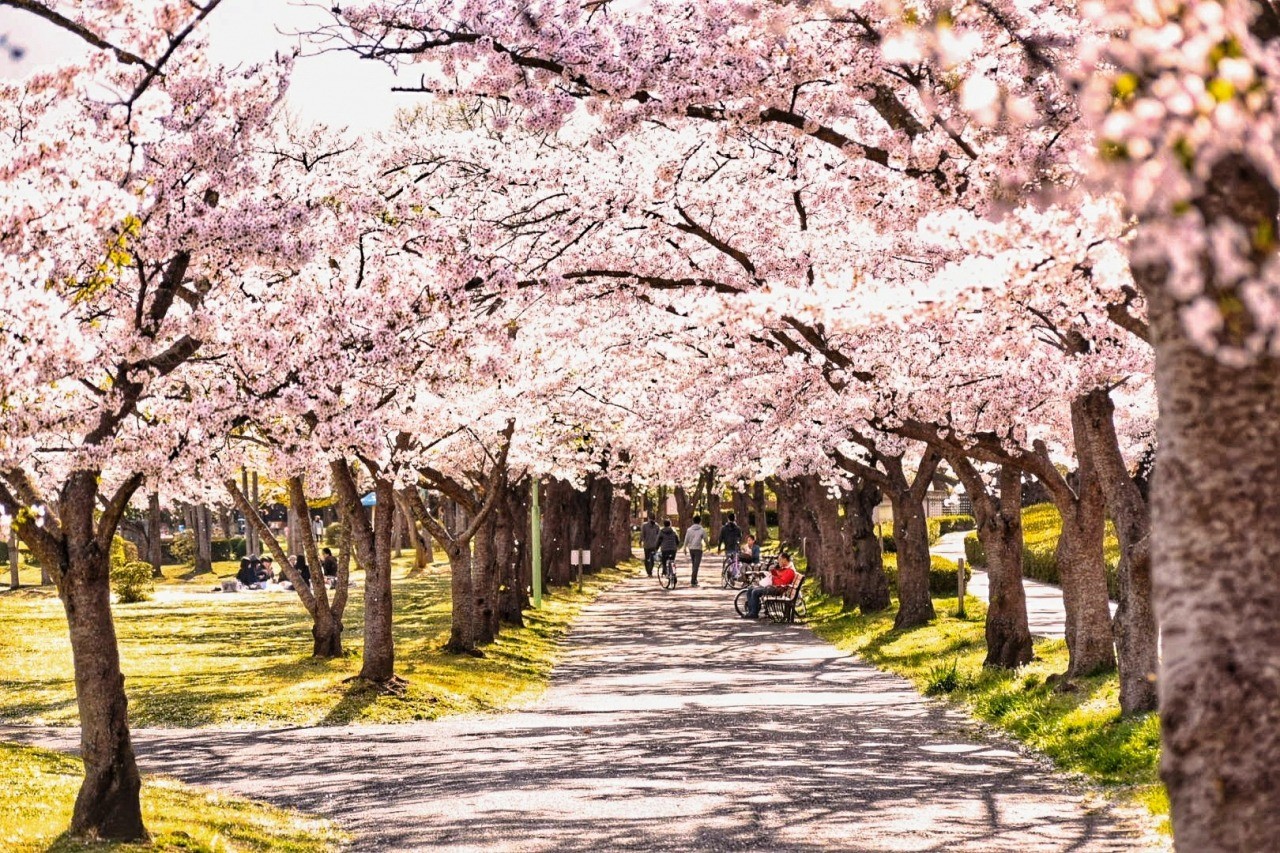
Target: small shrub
[333, 534]
[232, 548]
[132, 582]
[183, 548]
[117, 556]
[973, 551]
[954, 523]
[942, 575]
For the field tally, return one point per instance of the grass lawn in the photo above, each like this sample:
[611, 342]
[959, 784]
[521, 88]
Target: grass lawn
[38, 787]
[1079, 728]
[194, 658]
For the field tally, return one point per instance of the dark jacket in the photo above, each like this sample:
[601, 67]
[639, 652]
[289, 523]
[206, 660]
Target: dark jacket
[668, 539]
[329, 564]
[730, 536]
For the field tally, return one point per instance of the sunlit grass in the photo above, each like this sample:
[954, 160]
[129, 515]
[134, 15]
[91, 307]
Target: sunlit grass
[1078, 726]
[38, 788]
[244, 659]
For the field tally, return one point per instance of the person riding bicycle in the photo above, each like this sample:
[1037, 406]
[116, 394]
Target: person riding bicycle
[730, 535]
[649, 541]
[668, 543]
[781, 577]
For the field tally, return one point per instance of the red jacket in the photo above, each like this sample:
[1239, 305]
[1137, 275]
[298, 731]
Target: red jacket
[778, 576]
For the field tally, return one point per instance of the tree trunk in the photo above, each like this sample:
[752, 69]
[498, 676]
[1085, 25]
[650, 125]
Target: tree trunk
[14, 581]
[911, 538]
[715, 512]
[760, 507]
[486, 552]
[999, 522]
[155, 554]
[378, 662]
[203, 539]
[1081, 563]
[1134, 625]
[788, 524]
[557, 529]
[107, 805]
[513, 512]
[684, 510]
[867, 588]
[462, 628]
[742, 509]
[1215, 534]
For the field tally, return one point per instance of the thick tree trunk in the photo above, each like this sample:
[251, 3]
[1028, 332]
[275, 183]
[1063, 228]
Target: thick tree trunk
[557, 530]
[911, 537]
[1215, 534]
[759, 506]
[788, 524]
[513, 513]
[107, 805]
[203, 539]
[378, 663]
[155, 555]
[487, 550]
[742, 509]
[715, 498]
[867, 588]
[684, 510]
[1134, 625]
[462, 628]
[1000, 529]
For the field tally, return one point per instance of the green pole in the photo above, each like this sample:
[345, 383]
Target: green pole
[535, 522]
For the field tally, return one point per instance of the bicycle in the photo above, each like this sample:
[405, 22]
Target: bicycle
[667, 571]
[730, 571]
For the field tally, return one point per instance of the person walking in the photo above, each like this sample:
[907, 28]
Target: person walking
[668, 543]
[649, 541]
[695, 539]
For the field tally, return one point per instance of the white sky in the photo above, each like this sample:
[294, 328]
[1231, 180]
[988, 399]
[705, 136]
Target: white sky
[337, 89]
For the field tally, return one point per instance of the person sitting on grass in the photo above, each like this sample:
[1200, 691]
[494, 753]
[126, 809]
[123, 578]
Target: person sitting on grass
[266, 572]
[781, 577]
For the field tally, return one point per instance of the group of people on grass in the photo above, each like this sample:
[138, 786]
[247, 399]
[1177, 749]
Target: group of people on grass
[258, 572]
[662, 543]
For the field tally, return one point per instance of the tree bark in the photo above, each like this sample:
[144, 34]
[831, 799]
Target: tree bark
[911, 539]
[760, 506]
[378, 662]
[203, 534]
[1215, 545]
[155, 554]
[867, 586]
[107, 805]
[684, 510]
[999, 523]
[1134, 626]
[742, 510]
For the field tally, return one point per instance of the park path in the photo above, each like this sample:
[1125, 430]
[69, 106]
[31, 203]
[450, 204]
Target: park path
[1046, 616]
[670, 725]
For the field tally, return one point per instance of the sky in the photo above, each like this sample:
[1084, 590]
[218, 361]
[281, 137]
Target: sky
[336, 89]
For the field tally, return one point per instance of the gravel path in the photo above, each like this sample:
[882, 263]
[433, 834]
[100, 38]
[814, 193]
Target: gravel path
[670, 725]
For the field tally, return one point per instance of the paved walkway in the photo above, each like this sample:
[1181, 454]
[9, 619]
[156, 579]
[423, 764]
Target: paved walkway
[671, 725]
[1045, 614]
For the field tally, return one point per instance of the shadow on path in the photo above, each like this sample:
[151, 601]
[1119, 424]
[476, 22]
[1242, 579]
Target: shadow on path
[671, 725]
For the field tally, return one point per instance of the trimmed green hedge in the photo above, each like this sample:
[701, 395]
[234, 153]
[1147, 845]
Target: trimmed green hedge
[182, 549]
[1041, 528]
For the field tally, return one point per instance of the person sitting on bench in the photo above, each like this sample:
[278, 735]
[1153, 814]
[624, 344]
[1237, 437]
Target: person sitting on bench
[781, 577]
[750, 552]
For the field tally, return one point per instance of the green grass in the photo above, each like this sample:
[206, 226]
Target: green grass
[38, 787]
[1041, 529]
[244, 660]
[1079, 726]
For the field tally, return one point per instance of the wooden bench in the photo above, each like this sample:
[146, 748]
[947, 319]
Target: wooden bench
[785, 606]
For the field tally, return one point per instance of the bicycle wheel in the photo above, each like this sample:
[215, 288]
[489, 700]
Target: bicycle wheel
[801, 610]
[740, 603]
[668, 577]
[726, 574]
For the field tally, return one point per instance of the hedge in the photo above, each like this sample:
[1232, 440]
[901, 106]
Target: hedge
[942, 575]
[182, 549]
[1041, 528]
